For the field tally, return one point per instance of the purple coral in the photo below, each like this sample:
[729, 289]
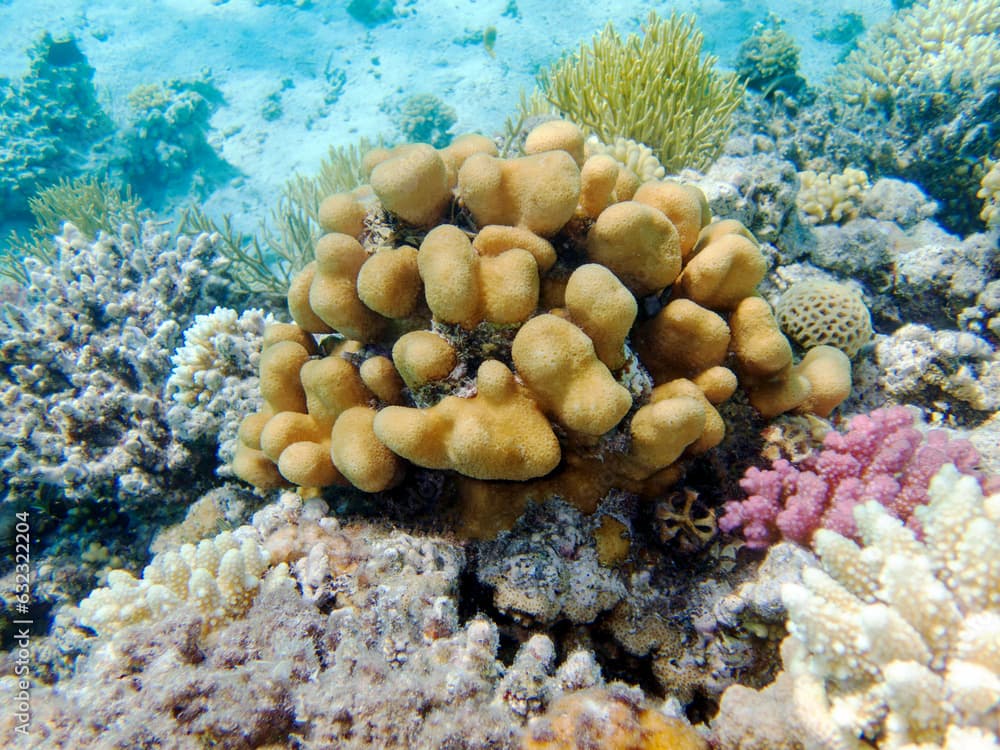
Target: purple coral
[882, 457]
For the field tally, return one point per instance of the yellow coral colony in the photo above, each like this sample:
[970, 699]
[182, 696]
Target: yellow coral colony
[457, 338]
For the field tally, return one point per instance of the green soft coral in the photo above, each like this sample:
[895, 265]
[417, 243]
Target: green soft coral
[656, 89]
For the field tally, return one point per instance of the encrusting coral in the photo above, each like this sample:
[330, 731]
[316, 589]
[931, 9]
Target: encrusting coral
[467, 343]
[893, 643]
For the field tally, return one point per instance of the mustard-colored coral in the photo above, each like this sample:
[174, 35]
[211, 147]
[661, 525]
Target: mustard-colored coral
[503, 344]
[618, 88]
[500, 433]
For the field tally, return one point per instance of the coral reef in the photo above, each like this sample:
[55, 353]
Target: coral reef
[166, 154]
[51, 123]
[953, 373]
[825, 198]
[684, 118]
[381, 659]
[893, 643]
[547, 568]
[489, 331]
[633, 155]
[881, 456]
[214, 378]
[989, 192]
[422, 118]
[929, 42]
[615, 718]
[768, 59]
[219, 579]
[814, 313]
[86, 357]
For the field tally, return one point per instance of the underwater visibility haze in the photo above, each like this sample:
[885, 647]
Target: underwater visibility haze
[500, 374]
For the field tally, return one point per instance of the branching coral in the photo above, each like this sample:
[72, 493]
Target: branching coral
[895, 642]
[86, 358]
[930, 42]
[656, 89]
[215, 376]
[218, 579]
[881, 457]
[989, 191]
[824, 198]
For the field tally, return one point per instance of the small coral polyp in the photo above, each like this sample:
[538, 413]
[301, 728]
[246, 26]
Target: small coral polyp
[481, 315]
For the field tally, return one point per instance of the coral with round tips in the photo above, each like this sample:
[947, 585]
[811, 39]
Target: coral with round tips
[218, 579]
[497, 434]
[761, 351]
[412, 182]
[464, 288]
[682, 340]
[423, 356]
[359, 455]
[538, 193]
[493, 240]
[601, 305]
[557, 361]
[389, 282]
[556, 135]
[685, 205]
[343, 213]
[723, 272]
[629, 402]
[638, 244]
[333, 293]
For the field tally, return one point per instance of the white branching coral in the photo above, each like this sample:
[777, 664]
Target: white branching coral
[634, 155]
[949, 43]
[825, 198]
[217, 347]
[214, 384]
[217, 577]
[896, 644]
[989, 191]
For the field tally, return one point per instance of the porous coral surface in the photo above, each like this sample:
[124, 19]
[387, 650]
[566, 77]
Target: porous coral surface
[494, 332]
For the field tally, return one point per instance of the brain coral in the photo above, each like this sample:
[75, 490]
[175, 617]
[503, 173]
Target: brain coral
[817, 312]
[483, 320]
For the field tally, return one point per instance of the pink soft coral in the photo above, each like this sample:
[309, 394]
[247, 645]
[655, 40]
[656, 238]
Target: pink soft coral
[882, 457]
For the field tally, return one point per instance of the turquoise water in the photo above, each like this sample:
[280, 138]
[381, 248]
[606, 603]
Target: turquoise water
[475, 452]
